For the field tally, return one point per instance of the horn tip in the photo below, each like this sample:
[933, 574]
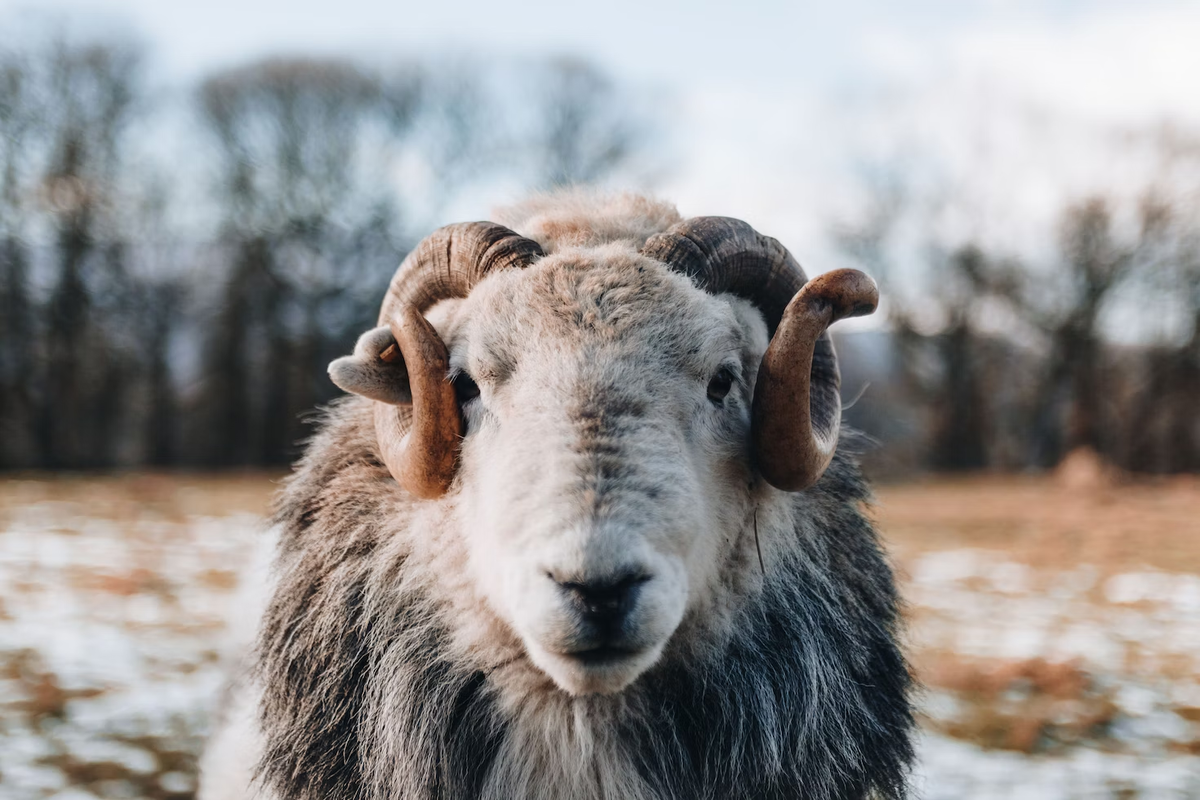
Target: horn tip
[848, 292]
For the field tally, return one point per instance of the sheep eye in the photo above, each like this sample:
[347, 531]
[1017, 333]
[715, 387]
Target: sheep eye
[720, 385]
[465, 387]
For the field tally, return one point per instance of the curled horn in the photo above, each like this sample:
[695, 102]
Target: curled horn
[797, 405]
[451, 260]
[419, 440]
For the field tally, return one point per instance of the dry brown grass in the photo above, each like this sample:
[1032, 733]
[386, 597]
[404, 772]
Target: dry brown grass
[1048, 523]
[1028, 705]
[121, 496]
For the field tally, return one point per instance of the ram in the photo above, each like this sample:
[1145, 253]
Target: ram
[585, 531]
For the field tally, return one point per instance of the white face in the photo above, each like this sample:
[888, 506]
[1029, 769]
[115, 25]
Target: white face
[605, 467]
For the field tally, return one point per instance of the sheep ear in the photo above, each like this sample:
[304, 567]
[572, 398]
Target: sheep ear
[375, 370]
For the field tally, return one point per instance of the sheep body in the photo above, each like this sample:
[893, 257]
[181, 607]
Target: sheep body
[384, 671]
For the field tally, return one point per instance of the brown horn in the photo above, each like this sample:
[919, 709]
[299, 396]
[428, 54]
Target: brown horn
[797, 405]
[451, 260]
[419, 445]
[722, 254]
[797, 400]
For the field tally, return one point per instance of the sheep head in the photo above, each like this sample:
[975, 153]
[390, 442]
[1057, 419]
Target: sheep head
[598, 421]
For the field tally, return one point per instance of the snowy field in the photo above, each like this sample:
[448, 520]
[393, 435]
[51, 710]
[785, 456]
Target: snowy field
[1057, 631]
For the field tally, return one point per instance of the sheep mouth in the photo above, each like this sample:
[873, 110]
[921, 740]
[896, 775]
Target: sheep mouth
[602, 656]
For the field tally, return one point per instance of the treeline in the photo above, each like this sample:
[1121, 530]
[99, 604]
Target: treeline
[178, 266]
[1007, 362]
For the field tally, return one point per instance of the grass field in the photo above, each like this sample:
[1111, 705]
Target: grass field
[1055, 625]
[1054, 622]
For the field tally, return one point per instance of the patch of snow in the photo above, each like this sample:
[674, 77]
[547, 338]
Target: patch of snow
[953, 770]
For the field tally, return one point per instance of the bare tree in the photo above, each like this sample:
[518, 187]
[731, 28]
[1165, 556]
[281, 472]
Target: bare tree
[17, 315]
[1162, 430]
[943, 368]
[584, 126]
[290, 136]
[85, 103]
[1094, 263]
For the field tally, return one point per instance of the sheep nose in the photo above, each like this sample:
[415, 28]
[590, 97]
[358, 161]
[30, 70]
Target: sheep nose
[605, 603]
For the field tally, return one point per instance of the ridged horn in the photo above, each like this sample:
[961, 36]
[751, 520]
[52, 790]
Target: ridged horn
[451, 260]
[797, 401]
[419, 442]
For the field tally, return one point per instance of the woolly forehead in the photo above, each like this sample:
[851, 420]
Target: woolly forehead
[608, 299]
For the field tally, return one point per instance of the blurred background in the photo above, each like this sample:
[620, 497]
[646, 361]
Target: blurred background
[201, 206]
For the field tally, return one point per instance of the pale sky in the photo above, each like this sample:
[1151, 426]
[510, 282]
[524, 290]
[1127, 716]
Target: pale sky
[774, 105]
